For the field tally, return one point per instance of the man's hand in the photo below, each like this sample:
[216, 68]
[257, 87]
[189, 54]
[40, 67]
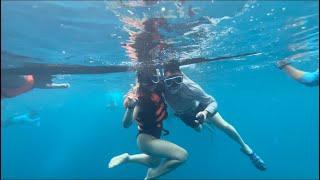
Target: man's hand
[201, 116]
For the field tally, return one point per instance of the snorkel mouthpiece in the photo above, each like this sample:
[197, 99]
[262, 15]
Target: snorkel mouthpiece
[160, 71]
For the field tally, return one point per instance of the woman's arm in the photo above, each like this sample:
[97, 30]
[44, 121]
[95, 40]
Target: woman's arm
[128, 117]
[130, 103]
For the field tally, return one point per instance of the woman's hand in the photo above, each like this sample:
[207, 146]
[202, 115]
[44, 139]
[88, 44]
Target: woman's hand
[132, 102]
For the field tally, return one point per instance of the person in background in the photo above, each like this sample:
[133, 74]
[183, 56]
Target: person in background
[306, 78]
[31, 118]
[12, 86]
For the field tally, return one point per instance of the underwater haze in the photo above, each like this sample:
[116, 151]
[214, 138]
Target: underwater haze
[81, 127]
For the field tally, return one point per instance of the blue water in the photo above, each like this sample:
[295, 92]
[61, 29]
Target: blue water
[81, 127]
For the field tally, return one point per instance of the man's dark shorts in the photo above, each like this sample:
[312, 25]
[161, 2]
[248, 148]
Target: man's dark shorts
[190, 117]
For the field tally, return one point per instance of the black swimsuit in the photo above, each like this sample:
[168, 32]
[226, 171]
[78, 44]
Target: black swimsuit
[147, 115]
[190, 117]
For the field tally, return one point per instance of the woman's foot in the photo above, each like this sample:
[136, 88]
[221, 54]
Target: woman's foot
[117, 160]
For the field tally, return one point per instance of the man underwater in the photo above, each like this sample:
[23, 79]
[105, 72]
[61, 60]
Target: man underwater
[195, 107]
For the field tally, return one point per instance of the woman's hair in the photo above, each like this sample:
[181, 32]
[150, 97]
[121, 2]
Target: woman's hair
[144, 80]
[144, 76]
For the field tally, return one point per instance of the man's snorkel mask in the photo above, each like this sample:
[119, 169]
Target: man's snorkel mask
[170, 83]
[173, 77]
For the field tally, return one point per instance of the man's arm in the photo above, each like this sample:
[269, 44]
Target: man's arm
[205, 99]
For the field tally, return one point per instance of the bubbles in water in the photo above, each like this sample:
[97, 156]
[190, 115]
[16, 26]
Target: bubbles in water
[251, 19]
[283, 9]
[63, 52]
[163, 9]
[130, 12]
[254, 67]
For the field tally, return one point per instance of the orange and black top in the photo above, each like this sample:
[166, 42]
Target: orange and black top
[152, 111]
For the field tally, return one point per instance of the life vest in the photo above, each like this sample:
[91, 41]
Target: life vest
[152, 111]
[28, 84]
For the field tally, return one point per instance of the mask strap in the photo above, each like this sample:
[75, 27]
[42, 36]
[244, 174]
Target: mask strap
[160, 71]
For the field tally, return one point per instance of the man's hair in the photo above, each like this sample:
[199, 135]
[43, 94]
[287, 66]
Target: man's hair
[171, 66]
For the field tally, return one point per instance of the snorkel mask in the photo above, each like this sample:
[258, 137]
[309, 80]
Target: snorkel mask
[172, 83]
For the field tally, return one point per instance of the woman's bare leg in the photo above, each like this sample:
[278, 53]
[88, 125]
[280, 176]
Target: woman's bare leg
[154, 149]
[174, 155]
